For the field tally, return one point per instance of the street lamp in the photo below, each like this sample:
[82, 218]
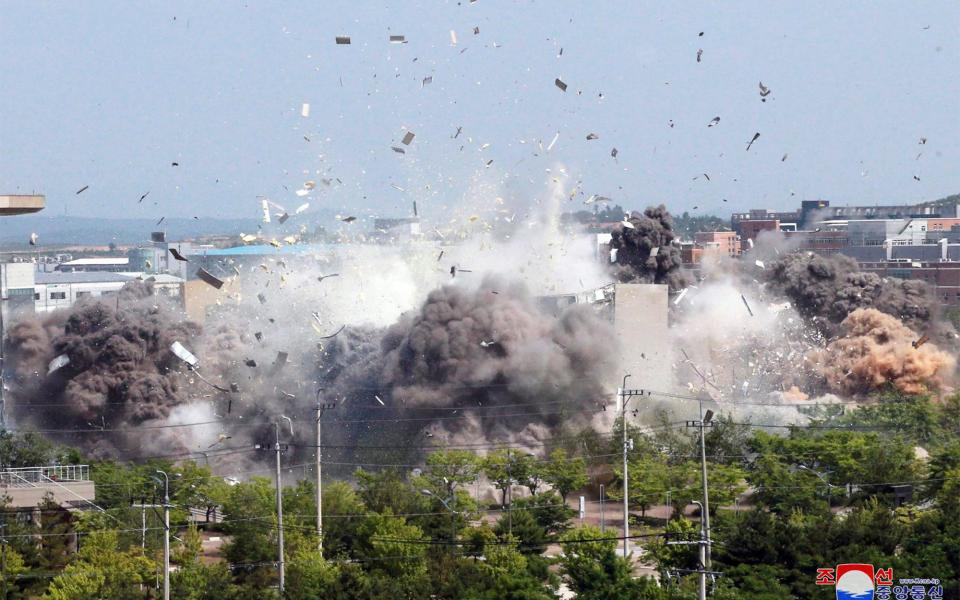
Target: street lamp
[822, 477]
[166, 535]
[453, 513]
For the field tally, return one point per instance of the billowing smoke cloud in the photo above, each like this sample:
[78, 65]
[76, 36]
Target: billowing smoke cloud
[878, 351]
[828, 288]
[645, 252]
[120, 372]
[473, 365]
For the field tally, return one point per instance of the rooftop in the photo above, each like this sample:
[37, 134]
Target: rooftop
[87, 262]
[81, 277]
[21, 204]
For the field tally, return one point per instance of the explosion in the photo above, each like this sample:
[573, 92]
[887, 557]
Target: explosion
[645, 252]
[876, 351]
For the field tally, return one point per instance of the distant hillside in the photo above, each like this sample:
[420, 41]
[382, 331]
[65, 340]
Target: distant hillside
[15, 231]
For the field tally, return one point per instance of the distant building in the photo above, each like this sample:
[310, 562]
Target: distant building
[108, 264]
[55, 290]
[21, 204]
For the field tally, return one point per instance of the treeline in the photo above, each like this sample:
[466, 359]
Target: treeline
[784, 502]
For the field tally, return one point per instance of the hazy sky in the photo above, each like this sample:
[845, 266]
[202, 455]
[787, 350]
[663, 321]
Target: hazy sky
[109, 94]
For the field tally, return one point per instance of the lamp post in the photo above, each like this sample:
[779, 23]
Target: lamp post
[453, 513]
[166, 535]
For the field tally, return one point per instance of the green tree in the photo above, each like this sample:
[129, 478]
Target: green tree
[594, 571]
[103, 571]
[448, 469]
[565, 474]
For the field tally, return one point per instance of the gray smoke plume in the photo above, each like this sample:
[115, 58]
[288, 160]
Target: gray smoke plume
[645, 253]
[471, 365]
[828, 288]
[121, 371]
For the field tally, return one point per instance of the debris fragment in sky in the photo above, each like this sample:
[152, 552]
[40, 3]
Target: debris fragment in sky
[553, 141]
[348, 219]
[654, 251]
[83, 189]
[262, 298]
[699, 54]
[33, 239]
[453, 38]
[592, 136]
[183, 354]
[176, 255]
[764, 90]
[302, 208]
[305, 110]
[476, 31]
[626, 223]
[407, 138]
[208, 278]
[742, 297]
[283, 218]
[58, 363]
[398, 149]
[247, 238]
[322, 277]
[250, 362]
[923, 340]
[258, 335]
[334, 334]
[784, 158]
[680, 296]
[752, 140]
[426, 80]
[142, 197]
[266, 210]
[760, 264]
[614, 152]
[343, 40]
[398, 39]
[561, 85]
[714, 121]
[379, 400]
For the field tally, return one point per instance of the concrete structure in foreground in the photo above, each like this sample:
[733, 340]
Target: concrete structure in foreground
[641, 323]
[69, 485]
[21, 204]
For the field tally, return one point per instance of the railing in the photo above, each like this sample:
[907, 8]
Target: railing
[33, 476]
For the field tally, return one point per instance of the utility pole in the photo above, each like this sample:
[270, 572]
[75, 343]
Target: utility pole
[603, 522]
[320, 408]
[143, 520]
[3, 557]
[704, 422]
[276, 448]
[166, 535]
[625, 396]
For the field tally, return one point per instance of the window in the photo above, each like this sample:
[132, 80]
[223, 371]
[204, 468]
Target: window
[82, 294]
[58, 295]
[36, 295]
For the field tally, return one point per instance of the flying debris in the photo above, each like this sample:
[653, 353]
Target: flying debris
[334, 334]
[250, 363]
[83, 189]
[784, 158]
[714, 121]
[407, 138]
[742, 297]
[305, 110]
[220, 439]
[398, 39]
[486, 344]
[614, 152]
[439, 256]
[680, 296]
[398, 149]
[764, 90]
[33, 239]
[752, 140]
[348, 219]
[283, 218]
[561, 85]
[553, 141]
[174, 164]
[208, 278]
[760, 264]
[176, 255]
[142, 197]
[183, 354]
[923, 141]
[302, 208]
[322, 277]
[923, 340]
[592, 136]
[426, 80]
[916, 178]
[343, 40]
[476, 31]
[453, 38]
[699, 54]
[161, 220]
[262, 298]
[379, 400]
[626, 223]
[58, 363]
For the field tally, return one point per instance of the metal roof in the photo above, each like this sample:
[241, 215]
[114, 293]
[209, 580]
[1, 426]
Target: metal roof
[81, 277]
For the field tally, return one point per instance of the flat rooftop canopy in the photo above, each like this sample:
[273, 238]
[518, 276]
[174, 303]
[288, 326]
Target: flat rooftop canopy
[21, 204]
